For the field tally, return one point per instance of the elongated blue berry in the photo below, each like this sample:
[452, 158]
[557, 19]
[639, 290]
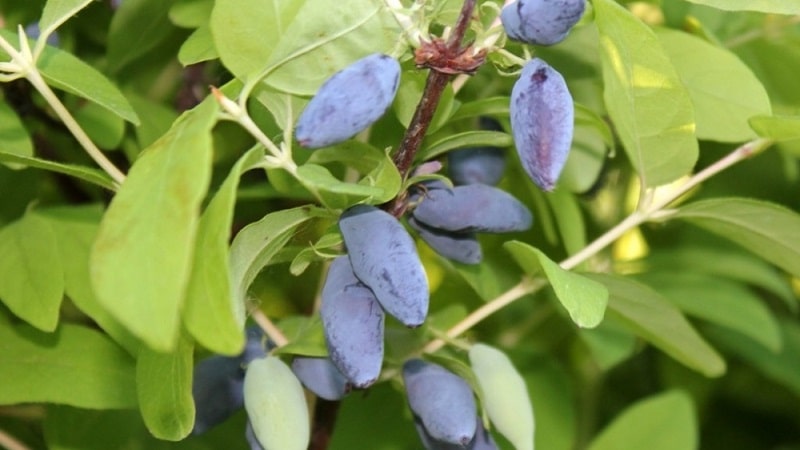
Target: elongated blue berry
[461, 247]
[349, 101]
[320, 376]
[352, 320]
[541, 22]
[472, 208]
[482, 440]
[442, 400]
[542, 116]
[478, 164]
[217, 389]
[384, 257]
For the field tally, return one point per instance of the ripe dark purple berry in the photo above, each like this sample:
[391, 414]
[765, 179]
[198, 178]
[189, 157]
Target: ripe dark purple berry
[353, 323]
[472, 208]
[349, 101]
[217, 389]
[542, 121]
[320, 376]
[384, 257]
[442, 400]
[460, 247]
[541, 22]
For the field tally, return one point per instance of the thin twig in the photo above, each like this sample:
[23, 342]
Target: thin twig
[272, 331]
[11, 443]
[644, 213]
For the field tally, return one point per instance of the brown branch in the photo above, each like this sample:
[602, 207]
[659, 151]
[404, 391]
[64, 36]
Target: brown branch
[443, 59]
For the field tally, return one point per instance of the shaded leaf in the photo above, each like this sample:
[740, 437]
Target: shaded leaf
[89, 174]
[137, 27]
[14, 138]
[256, 244]
[662, 422]
[31, 272]
[719, 301]
[653, 318]
[780, 128]
[54, 368]
[765, 6]
[766, 229]
[463, 140]
[210, 313]
[164, 388]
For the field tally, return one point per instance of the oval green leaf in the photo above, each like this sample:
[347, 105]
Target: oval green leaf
[656, 320]
[663, 422]
[764, 6]
[711, 74]
[164, 388]
[210, 313]
[31, 273]
[647, 102]
[141, 259]
[583, 298]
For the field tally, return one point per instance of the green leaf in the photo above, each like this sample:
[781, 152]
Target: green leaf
[505, 397]
[31, 273]
[334, 193]
[330, 242]
[256, 244]
[610, 343]
[360, 156]
[55, 367]
[137, 27]
[94, 176]
[662, 422]
[719, 301]
[569, 219]
[656, 320]
[780, 128]
[65, 71]
[210, 313]
[583, 298]
[590, 142]
[463, 140]
[765, 6]
[14, 138]
[647, 102]
[780, 367]
[164, 388]
[306, 336]
[105, 130]
[276, 405]
[724, 91]
[730, 264]
[141, 260]
[303, 38]
[198, 47]
[766, 229]
[191, 13]
[75, 229]
[492, 106]
[56, 12]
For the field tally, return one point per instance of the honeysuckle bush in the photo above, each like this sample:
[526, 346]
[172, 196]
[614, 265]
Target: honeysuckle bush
[154, 203]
